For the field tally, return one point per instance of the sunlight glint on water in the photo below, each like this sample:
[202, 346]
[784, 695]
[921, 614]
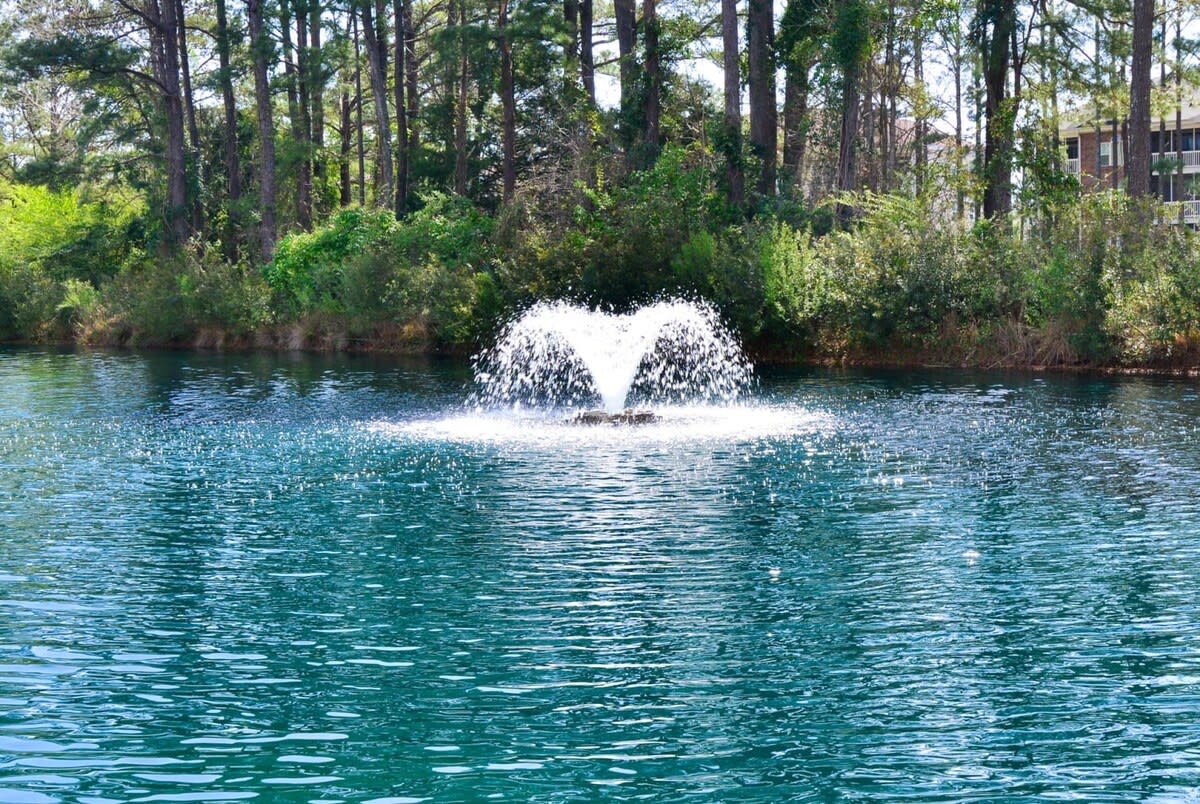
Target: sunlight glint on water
[298, 578]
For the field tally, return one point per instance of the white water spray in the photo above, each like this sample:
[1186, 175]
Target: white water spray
[561, 354]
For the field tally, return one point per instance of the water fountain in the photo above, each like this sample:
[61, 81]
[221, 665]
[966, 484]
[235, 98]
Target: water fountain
[559, 355]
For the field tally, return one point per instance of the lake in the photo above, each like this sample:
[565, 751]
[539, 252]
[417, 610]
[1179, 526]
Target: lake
[303, 579]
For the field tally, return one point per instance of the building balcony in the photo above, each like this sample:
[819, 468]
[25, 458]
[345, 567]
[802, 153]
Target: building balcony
[1191, 159]
[1171, 212]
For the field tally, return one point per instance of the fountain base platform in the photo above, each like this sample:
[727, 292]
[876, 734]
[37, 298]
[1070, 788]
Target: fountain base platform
[627, 416]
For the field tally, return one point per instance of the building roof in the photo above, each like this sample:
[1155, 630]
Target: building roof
[1083, 118]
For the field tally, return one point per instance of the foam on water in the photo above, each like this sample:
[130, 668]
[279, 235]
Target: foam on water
[675, 423]
[559, 354]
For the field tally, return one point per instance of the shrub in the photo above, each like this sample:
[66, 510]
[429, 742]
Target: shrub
[80, 308]
[798, 293]
[62, 235]
[371, 268]
[893, 279]
[170, 300]
[306, 273]
[52, 245]
[28, 301]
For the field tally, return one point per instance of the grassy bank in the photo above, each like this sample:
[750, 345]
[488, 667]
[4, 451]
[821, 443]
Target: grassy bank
[1096, 282]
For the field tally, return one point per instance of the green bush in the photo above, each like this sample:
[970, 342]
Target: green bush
[306, 273]
[372, 269]
[1095, 279]
[80, 306]
[28, 302]
[1149, 310]
[63, 235]
[159, 301]
[51, 244]
[893, 279]
[663, 230]
[798, 292]
[638, 230]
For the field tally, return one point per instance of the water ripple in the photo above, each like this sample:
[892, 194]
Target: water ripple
[248, 578]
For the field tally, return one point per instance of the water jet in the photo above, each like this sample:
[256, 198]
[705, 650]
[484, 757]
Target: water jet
[608, 368]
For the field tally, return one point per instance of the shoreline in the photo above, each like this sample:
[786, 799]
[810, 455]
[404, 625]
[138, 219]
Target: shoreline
[275, 342]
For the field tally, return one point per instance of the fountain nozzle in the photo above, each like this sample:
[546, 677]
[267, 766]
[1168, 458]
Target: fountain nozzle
[627, 416]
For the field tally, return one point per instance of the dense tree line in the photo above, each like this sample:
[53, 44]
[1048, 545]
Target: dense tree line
[842, 178]
[240, 121]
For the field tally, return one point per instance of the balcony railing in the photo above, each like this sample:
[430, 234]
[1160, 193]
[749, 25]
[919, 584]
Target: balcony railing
[1190, 158]
[1190, 209]
[1073, 165]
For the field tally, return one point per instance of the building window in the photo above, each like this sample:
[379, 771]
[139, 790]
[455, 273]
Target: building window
[1106, 153]
[1188, 140]
[1073, 148]
[1162, 142]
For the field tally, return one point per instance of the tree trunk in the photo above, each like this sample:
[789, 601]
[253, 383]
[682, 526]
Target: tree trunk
[1113, 177]
[303, 127]
[733, 101]
[1097, 83]
[460, 111]
[289, 63]
[1125, 146]
[1178, 193]
[849, 132]
[358, 112]
[377, 72]
[1163, 180]
[893, 118]
[763, 117]
[626, 16]
[164, 32]
[587, 61]
[344, 154]
[571, 61]
[867, 128]
[316, 88]
[850, 45]
[508, 100]
[1137, 169]
[957, 61]
[1048, 75]
[998, 137]
[653, 76]
[195, 168]
[795, 110]
[1122, 81]
[398, 64]
[977, 99]
[260, 45]
[303, 181]
[882, 125]
[185, 66]
[887, 114]
[921, 127]
[410, 75]
[233, 170]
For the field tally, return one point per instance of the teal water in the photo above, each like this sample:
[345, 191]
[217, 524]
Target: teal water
[303, 579]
